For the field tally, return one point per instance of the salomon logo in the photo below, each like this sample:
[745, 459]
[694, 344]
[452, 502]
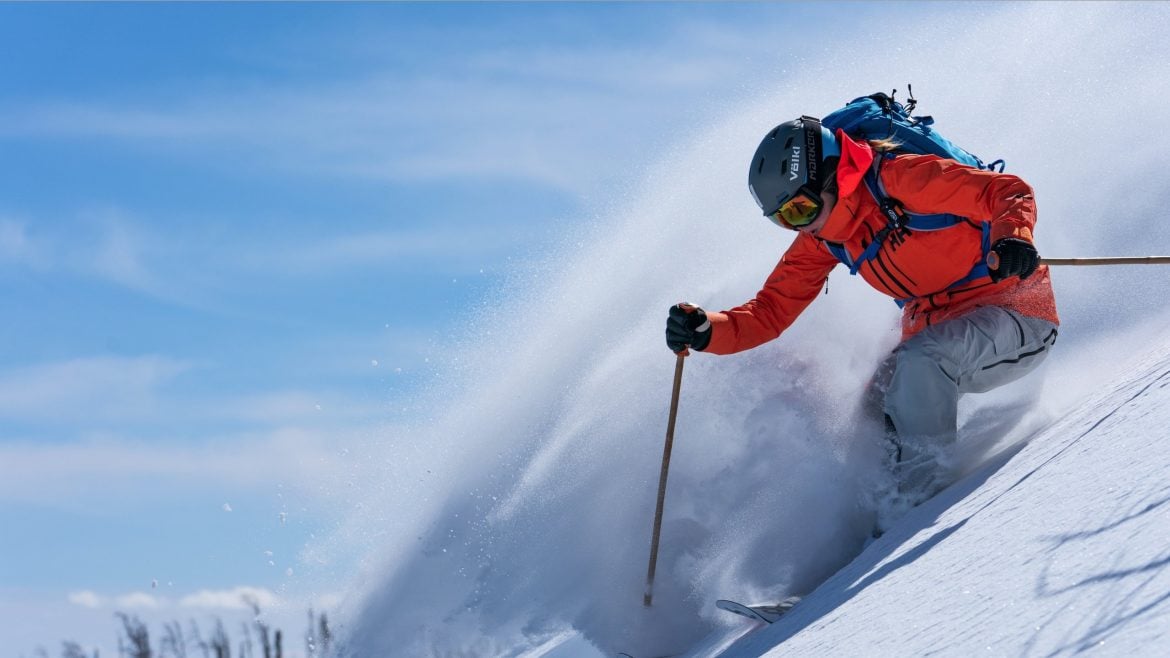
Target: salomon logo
[794, 166]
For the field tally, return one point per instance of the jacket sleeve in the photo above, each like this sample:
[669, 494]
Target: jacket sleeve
[796, 281]
[929, 184]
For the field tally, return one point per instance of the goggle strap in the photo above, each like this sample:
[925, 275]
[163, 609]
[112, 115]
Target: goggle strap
[812, 142]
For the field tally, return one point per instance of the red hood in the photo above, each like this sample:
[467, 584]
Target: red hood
[856, 158]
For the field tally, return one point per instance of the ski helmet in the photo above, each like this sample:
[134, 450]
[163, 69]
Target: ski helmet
[791, 159]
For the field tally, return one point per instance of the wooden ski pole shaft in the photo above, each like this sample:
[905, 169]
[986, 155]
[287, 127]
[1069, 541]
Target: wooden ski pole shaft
[648, 598]
[1121, 260]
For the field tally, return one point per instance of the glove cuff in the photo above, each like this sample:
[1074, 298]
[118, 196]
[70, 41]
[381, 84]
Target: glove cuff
[702, 335]
[1003, 231]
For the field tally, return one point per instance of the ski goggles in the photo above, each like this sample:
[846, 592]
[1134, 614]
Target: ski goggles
[801, 210]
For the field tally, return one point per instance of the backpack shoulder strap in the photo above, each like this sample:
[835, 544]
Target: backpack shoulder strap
[899, 221]
[890, 209]
[895, 212]
[841, 253]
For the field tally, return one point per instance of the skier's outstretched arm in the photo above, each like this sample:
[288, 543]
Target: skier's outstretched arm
[795, 282]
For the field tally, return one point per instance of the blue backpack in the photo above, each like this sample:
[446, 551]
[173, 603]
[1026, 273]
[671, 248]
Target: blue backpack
[879, 116]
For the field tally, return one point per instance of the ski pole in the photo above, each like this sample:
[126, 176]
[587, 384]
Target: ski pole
[678, 370]
[1120, 260]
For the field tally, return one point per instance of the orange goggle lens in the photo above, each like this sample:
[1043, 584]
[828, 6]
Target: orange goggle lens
[798, 211]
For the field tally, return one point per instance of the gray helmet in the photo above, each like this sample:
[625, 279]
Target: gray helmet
[792, 156]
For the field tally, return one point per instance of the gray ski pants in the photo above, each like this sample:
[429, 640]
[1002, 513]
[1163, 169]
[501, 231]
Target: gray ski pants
[919, 384]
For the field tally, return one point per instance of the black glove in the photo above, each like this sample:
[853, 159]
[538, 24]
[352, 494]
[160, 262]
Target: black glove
[687, 326]
[1011, 257]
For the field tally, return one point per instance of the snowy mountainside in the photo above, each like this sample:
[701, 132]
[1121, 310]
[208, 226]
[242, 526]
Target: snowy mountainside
[1062, 548]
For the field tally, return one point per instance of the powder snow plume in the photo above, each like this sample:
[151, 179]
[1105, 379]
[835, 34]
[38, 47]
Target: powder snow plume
[520, 512]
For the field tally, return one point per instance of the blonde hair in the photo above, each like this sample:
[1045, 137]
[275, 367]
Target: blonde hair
[885, 145]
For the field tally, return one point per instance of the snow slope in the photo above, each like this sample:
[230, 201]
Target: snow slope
[1056, 550]
[515, 518]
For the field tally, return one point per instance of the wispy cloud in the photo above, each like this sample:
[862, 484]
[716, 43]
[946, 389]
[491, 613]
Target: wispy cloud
[557, 116]
[455, 249]
[87, 475]
[103, 387]
[237, 598]
[85, 598]
[18, 247]
[186, 269]
[78, 397]
[129, 601]
[134, 600]
[121, 254]
[108, 244]
[243, 597]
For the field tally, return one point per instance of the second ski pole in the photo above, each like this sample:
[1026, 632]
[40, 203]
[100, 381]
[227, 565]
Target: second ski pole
[1119, 260]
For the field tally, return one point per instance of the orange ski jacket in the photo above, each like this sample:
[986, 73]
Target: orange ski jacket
[920, 267]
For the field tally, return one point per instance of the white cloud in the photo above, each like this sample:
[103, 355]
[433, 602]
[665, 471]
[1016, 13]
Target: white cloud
[238, 598]
[86, 599]
[132, 600]
[137, 600]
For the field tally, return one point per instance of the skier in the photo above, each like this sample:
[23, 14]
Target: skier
[978, 309]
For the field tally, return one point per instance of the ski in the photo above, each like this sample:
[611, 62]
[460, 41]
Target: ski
[763, 613]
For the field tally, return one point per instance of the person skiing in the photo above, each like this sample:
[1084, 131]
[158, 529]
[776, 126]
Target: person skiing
[978, 307]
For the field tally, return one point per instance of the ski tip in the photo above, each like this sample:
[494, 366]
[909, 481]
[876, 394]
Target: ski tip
[739, 609]
[765, 613]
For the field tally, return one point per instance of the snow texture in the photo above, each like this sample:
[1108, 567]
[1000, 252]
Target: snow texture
[515, 521]
[1056, 550]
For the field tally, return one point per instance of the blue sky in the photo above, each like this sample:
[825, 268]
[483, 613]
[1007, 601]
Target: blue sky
[236, 239]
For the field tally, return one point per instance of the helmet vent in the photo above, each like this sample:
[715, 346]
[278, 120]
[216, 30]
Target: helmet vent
[784, 165]
[788, 144]
[760, 167]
